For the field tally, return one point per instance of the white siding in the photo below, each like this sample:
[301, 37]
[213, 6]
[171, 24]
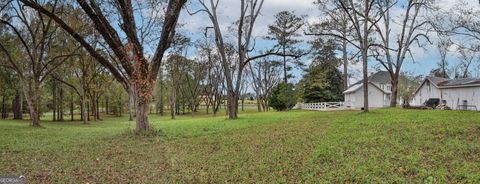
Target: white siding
[453, 96]
[427, 90]
[376, 98]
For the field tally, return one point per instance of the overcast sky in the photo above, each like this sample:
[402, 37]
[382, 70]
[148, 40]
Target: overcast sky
[425, 58]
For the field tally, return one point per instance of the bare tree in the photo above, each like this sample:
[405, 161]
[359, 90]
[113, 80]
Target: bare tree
[443, 48]
[336, 21]
[134, 71]
[468, 56]
[462, 26]
[249, 12]
[214, 80]
[265, 76]
[363, 17]
[461, 21]
[413, 29]
[40, 53]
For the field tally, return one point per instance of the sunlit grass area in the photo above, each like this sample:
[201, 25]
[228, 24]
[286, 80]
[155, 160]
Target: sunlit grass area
[383, 146]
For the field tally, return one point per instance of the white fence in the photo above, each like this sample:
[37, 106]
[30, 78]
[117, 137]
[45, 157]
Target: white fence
[325, 106]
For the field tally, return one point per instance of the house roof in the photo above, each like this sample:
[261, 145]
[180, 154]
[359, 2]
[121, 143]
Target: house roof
[380, 77]
[356, 87]
[448, 83]
[460, 82]
[436, 80]
[443, 83]
[353, 88]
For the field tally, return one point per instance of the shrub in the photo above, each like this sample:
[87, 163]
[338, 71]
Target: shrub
[283, 97]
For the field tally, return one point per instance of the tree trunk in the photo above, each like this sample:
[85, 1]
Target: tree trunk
[106, 105]
[393, 97]
[71, 109]
[131, 102]
[98, 107]
[120, 109]
[161, 103]
[162, 108]
[285, 75]
[243, 106]
[232, 105]
[88, 109]
[32, 95]
[215, 105]
[345, 65]
[60, 103]
[17, 105]
[172, 110]
[173, 100]
[4, 108]
[259, 107]
[142, 116]
[54, 100]
[93, 108]
[207, 105]
[82, 109]
[183, 107]
[365, 83]
[364, 51]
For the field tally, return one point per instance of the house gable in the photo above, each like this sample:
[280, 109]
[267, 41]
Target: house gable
[356, 87]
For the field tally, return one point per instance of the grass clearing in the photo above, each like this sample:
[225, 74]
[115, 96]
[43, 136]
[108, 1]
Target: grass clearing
[384, 146]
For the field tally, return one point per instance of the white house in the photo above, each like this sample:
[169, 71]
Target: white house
[455, 93]
[379, 91]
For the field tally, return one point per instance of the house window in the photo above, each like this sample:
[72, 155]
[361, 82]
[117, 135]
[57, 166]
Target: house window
[389, 88]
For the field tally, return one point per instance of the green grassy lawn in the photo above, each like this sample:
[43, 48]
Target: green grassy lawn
[384, 146]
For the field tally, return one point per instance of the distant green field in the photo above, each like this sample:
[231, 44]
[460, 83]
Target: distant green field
[384, 146]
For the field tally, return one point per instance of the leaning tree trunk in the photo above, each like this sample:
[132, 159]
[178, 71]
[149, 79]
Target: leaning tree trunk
[32, 95]
[82, 109]
[216, 105]
[207, 104]
[131, 105]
